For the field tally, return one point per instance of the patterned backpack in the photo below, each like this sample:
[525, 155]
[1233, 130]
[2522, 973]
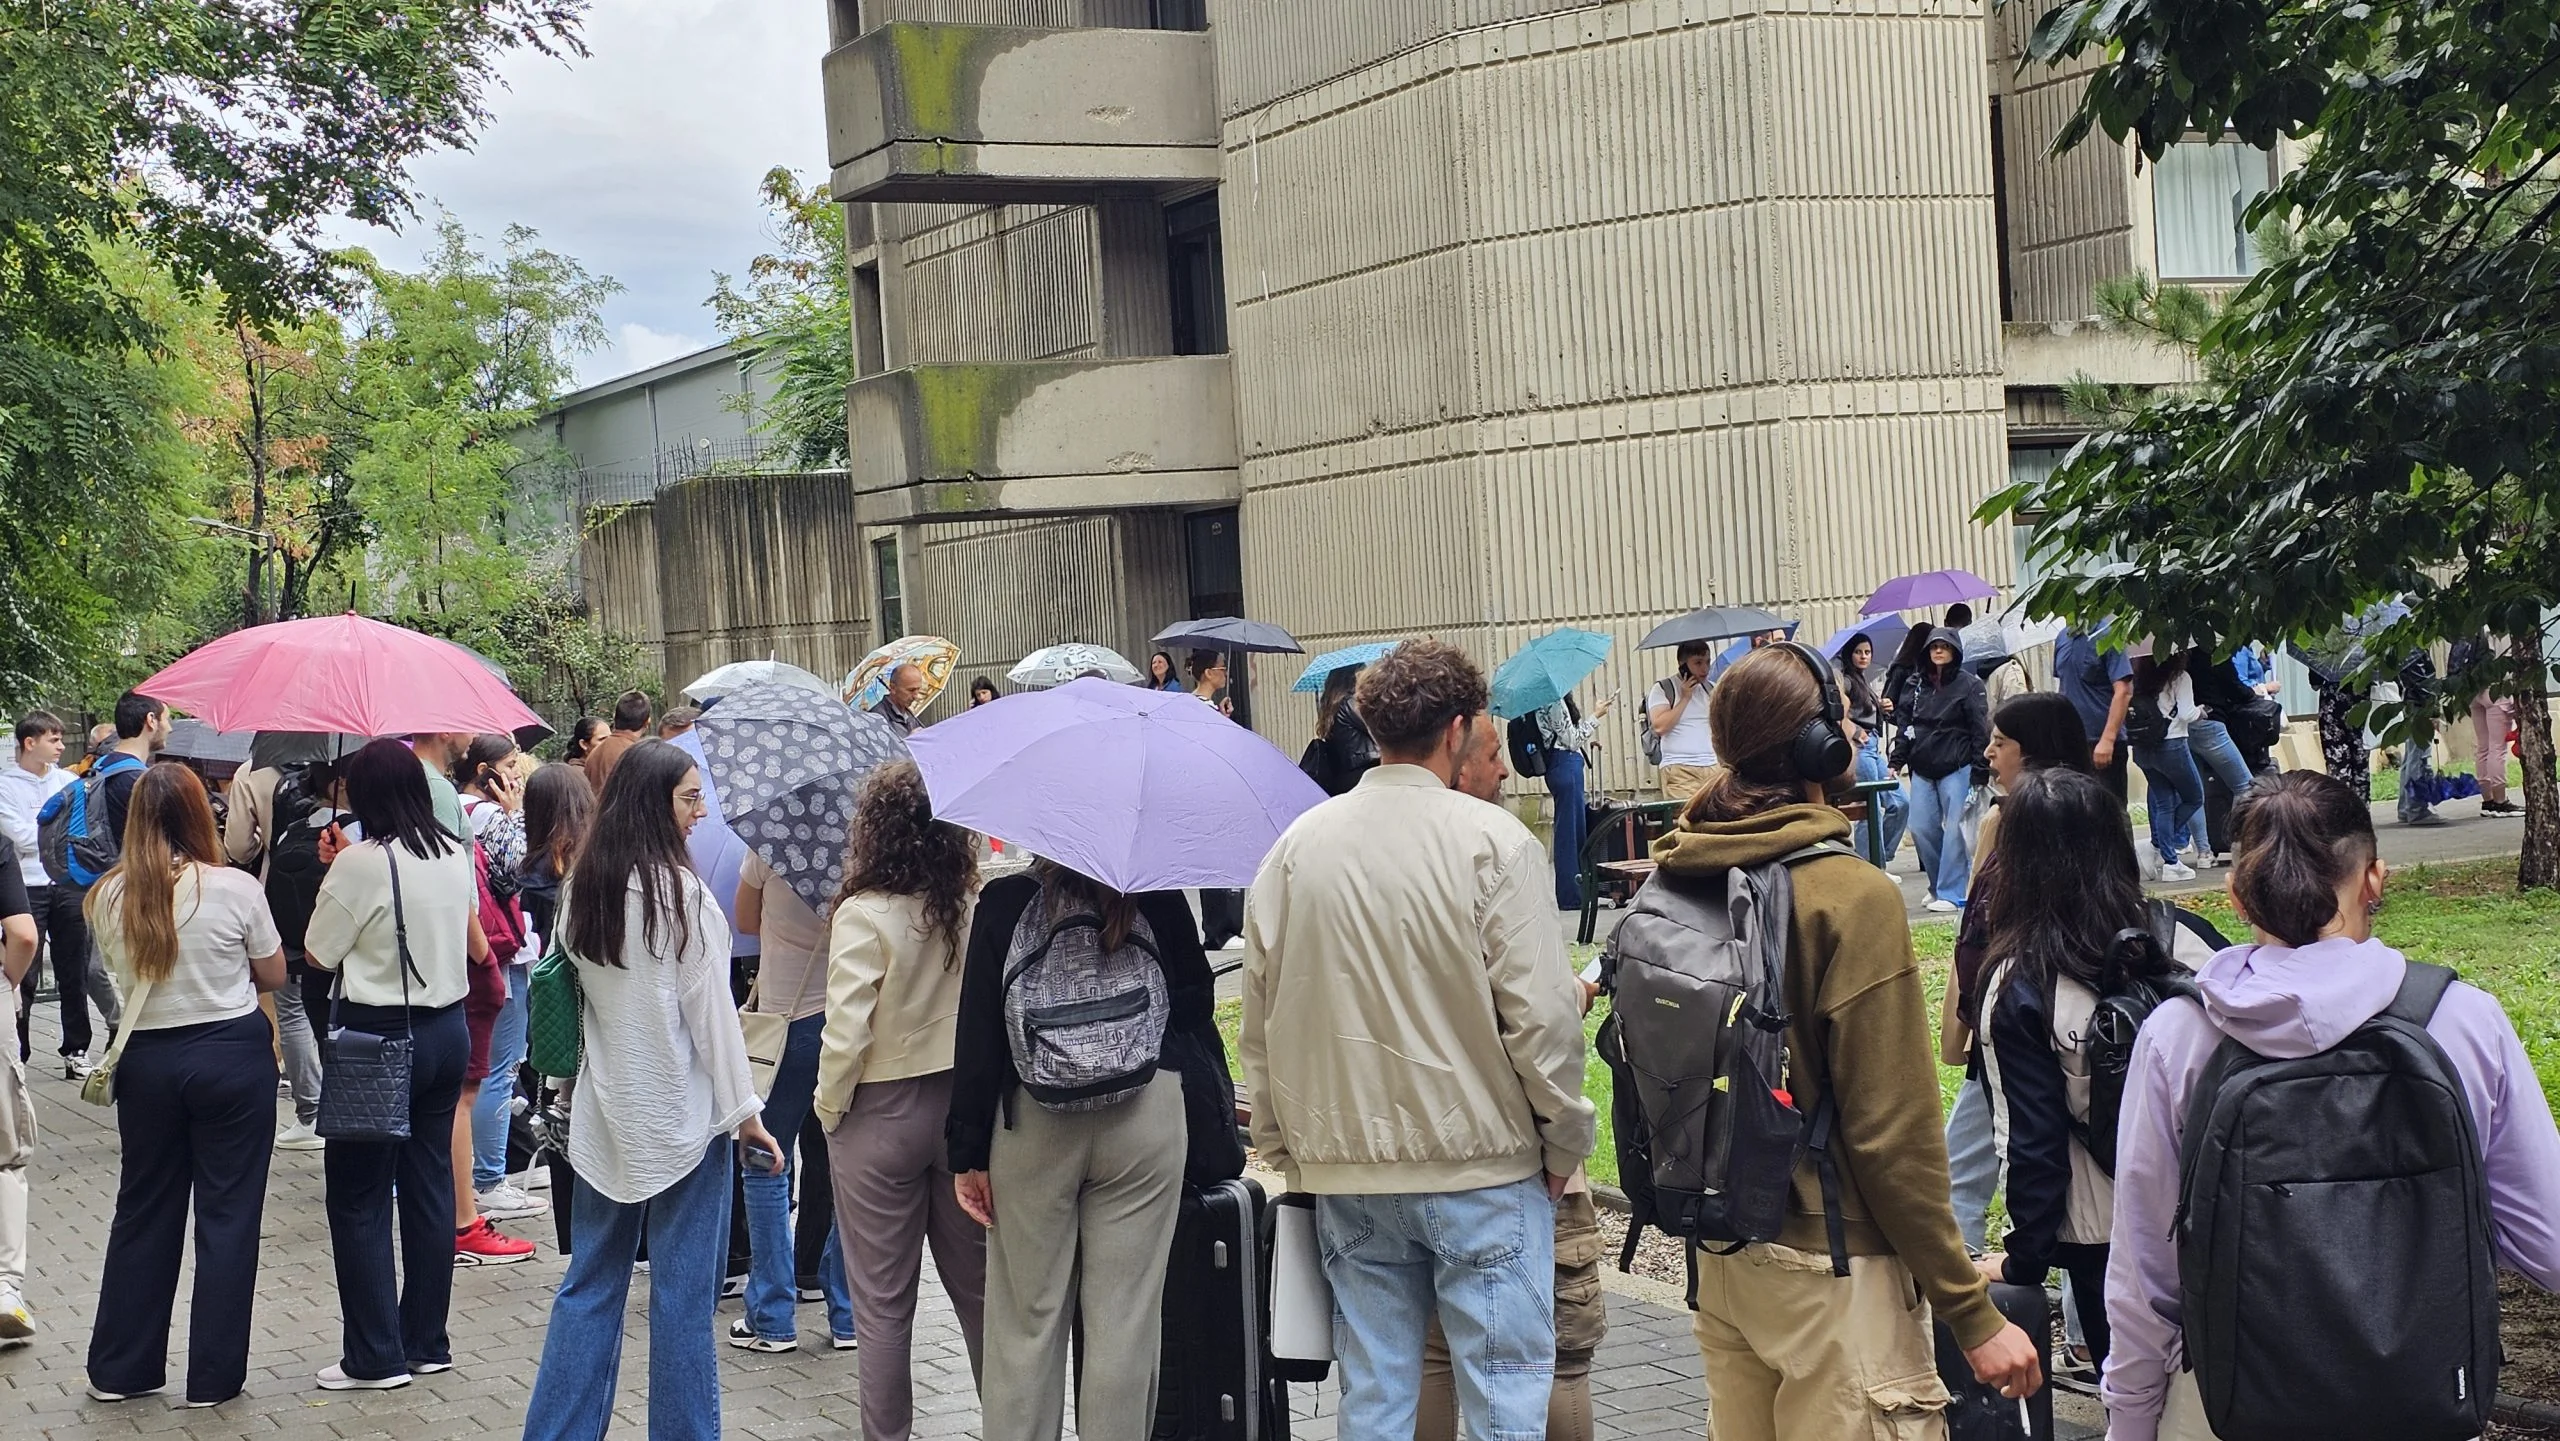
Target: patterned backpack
[1086, 1024]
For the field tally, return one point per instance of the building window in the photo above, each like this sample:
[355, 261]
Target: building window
[870, 348]
[893, 595]
[1180, 14]
[2029, 465]
[1197, 270]
[2200, 192]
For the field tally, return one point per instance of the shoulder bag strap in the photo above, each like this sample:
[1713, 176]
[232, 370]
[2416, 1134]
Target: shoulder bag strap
[124, 1028]
[400, 923]
[2422, 988]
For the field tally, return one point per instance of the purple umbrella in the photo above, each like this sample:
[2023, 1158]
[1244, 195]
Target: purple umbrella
[1142, 790]
[1933, 587]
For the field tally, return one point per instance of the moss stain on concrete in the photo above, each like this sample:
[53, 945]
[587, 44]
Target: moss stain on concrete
[960, 409]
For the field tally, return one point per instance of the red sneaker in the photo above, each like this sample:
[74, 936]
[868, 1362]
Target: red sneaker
[486, 1245]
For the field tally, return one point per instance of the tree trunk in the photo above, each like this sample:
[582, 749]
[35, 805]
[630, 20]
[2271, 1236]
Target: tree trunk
[2539, 864]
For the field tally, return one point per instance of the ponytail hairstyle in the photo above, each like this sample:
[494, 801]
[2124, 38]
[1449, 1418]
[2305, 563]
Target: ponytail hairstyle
[1068, 892]
[170, 824]
[481, 759]
[2296, 839]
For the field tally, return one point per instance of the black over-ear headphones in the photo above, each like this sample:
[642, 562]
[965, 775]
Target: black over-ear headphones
[1821, 750]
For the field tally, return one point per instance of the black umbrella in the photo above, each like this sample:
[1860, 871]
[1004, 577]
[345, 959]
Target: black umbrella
[193, 740]
[281, 750]
[1227, 632]
[1715, 622]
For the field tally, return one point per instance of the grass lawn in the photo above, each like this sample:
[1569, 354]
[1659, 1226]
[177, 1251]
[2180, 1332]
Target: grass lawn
[2468, 917]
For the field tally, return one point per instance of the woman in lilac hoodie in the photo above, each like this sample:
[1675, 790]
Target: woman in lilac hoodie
[2308, 881]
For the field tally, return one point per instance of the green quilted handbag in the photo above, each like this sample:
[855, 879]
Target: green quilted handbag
[553, 1035]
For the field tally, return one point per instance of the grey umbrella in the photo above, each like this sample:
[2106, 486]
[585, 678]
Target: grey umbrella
[1715, 622]
[1227, 632]
[787, 763]
[193, 740]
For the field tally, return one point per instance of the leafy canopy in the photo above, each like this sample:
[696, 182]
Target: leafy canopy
[795, 308]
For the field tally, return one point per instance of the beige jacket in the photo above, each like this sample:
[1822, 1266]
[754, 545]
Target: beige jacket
[1411, 1022]
[893, 999]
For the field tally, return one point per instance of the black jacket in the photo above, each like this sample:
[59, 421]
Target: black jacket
[1946, 723]
[1343, 755]
[983, 1078]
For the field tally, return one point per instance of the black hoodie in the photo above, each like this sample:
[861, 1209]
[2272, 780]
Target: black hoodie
[1945, 717]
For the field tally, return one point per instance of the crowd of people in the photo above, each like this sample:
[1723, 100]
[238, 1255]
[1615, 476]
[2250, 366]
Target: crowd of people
[1022, 1075]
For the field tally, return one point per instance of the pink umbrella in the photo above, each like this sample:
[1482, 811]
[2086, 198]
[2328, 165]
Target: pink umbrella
[338, 673]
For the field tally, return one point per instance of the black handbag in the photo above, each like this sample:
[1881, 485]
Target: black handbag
[364, 1078]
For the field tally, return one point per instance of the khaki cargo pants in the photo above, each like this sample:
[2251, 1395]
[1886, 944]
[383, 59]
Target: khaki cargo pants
[17, 1147]
[1795, 1352]
[1582, 1319]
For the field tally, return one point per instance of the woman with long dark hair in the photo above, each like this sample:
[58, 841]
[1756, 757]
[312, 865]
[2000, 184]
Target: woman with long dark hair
[1162, 673]
[191, 943]
[398, 922]
[2065, 890]
[2164, 702]
[1866, 717]
[559, 807]
[662, 1083]
[1343, 751]
[884, 1080]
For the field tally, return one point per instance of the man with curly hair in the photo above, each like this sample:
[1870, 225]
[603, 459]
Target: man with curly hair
[1413, 1041]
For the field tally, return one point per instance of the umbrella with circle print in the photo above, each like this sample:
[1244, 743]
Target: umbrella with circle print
[788, 763]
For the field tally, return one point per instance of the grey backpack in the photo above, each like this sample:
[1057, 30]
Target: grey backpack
[1086, 1024]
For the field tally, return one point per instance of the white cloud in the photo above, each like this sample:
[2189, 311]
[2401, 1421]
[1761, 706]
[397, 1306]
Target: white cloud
[642, 160]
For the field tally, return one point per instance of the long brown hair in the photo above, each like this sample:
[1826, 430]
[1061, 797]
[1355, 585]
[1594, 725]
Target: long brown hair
[899, 849]
[170, 822]
[559, 807]
[1068, 892]
[1754, 715]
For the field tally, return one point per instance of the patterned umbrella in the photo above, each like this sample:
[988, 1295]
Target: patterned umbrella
[711, 685]
[786, 763]
[867, 682]
[1058, 664]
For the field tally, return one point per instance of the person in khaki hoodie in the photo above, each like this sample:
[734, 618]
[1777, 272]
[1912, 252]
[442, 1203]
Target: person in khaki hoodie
[1413, 1042]
[1791, 1349]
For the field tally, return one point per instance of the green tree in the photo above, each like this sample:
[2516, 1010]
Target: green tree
[2381, 417]
[796, 307]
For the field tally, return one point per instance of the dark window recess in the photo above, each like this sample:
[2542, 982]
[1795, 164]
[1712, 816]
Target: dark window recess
[1196, 266]
[1216, 562]
[2000, 209]
[870, 352]
[893, 595]
[1181, 14]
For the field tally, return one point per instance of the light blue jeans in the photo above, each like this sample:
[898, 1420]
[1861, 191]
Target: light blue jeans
[1936, 808]
[1893, 807]
[1973, 1165]
[2216, 755]
[2176, 798]
[1485, 1260]
[687, 1227]
[489, 1116]
[772, 1292]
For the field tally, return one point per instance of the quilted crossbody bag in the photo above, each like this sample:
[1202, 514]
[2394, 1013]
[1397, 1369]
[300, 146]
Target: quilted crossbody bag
[100, 1088]
[364, 1084]
[553, 1031]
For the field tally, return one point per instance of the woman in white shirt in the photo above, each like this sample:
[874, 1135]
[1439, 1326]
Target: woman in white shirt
[398, 921]
[662, 1083]
[884, 1080]
[2176, 802]
[191, 944]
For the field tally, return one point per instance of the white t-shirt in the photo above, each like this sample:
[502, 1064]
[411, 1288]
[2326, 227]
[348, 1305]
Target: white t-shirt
[352, 931]
[223, 925]
[1687, 742]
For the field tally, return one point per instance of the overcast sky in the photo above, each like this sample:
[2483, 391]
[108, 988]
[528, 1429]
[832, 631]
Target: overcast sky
[642, 160]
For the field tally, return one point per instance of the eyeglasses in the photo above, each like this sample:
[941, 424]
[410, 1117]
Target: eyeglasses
[691, 798]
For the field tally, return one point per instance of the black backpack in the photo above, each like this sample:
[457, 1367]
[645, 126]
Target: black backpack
[1528, 748]
[2145, 724]
[2123, 1005]
[2335, 1270]
[295, 820]
[1708, 1134]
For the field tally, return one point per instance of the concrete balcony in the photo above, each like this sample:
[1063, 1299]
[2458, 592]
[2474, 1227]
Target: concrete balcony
[978, 441]
[975, 114]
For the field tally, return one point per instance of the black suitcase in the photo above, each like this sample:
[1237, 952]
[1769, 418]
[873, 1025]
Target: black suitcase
[1980, 1412]
[1215, 1383]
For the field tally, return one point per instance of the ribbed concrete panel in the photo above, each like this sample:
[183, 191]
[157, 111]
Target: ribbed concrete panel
[618, 570]
[1382, 350]
[751, 566]
[1040, 14]
[2071, 215]
[1273, 48]
[1399, 554]
[1024, 291]
[1002, 589]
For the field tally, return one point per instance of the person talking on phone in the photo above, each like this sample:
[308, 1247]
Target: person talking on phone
[1677, 709]
[663, 1083]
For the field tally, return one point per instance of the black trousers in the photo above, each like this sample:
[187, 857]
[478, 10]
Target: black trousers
[2087, 1268]
[392, 1328]
[56, 912]
[817, 1202]
[196, 1113]
[1221, 917]
[2112, 775]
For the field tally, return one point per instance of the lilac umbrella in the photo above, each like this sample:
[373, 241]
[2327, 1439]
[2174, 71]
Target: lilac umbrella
[1142, 790]
[1932, 587]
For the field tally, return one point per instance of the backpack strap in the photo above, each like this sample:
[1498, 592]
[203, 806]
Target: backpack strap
[1819, 848]
[2422, 989]
[1826, 1112]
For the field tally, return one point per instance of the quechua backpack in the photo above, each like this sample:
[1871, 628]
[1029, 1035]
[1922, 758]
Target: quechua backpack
[1708, 1131]
[1085, 1022]
[2335, 1277]
[73, 835]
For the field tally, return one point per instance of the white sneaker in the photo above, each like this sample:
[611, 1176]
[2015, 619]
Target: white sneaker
[295, 1136]
[2177, 871]
[503, 1202]
[2148, 861]
[537, 1179]
[17, 1323]
[334, 1377]
[1939, 904]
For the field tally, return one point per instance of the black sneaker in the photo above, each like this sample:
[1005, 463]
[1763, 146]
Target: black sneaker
[2500, 808]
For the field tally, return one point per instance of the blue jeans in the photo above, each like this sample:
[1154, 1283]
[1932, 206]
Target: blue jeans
[2418, 776]
[1936, 808]
[2176, 801]
[1973, 1161]
[489, 1116]
[772, 1292]
[1892, 807]
[1486, 1260]
[687, 1227]
[2216, 755]
[1564, 782]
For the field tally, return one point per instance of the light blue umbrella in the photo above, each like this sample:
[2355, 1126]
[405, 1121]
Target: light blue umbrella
[1742, 647]
[1311, 680]
[1546, 669]
[1885, 632]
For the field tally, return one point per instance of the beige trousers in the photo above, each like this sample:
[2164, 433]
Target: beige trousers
[17, 1147]
[1582, 1320]
[1794, 1353]
[1679, 783]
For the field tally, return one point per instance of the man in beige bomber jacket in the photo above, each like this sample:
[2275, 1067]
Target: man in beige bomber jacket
[1413, 1043]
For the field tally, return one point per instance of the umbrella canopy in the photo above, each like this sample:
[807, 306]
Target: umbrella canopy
[2001, 636]
[339, 673]
[1885, 632]
[1229, 632]
[1547, 669]
[1928, 588]
[1142, 790]
[1311, 680]
[278, 750]
[712, 684]
[1715, 622]
[868, 682]
[1740, 648]
[1056, 665]
[193, 740]
[786, 763]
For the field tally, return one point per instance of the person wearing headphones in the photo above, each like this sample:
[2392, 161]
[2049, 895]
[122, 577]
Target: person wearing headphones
[1791, 1348]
